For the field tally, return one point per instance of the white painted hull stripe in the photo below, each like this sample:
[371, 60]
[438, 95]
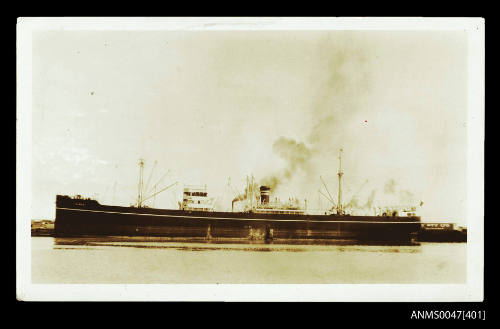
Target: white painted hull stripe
[247, 219]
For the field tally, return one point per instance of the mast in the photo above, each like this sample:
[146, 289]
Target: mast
[340, 211]
[141, 172]
[250, 186]
[250, 193]
[253, 193]
[247, 194]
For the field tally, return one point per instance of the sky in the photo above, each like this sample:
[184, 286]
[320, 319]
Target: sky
[211, 107]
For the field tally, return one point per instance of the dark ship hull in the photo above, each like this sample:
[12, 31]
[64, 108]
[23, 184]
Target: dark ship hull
[80, 217]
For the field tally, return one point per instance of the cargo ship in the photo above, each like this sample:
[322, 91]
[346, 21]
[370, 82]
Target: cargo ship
[261, 220]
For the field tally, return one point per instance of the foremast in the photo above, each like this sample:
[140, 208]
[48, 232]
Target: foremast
[141, 182]
[141, 198]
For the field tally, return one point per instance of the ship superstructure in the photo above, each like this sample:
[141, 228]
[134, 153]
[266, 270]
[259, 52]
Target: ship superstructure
[265, 206]
[196, 198]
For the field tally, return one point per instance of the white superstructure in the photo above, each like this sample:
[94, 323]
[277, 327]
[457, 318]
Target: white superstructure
[196, 198]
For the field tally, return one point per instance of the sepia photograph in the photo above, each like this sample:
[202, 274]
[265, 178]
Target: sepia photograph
[332, 159]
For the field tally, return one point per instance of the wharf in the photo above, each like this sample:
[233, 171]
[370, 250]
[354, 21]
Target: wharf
[42, 228]
[442, 232]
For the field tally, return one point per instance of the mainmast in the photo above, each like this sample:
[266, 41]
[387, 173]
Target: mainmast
[340, 211]
[141, 172]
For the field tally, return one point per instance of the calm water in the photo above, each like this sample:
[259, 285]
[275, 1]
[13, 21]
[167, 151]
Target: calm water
[115, 260]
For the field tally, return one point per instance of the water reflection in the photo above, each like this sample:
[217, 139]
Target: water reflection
[99, 242]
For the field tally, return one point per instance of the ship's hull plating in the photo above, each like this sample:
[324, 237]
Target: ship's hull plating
[78, 220]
